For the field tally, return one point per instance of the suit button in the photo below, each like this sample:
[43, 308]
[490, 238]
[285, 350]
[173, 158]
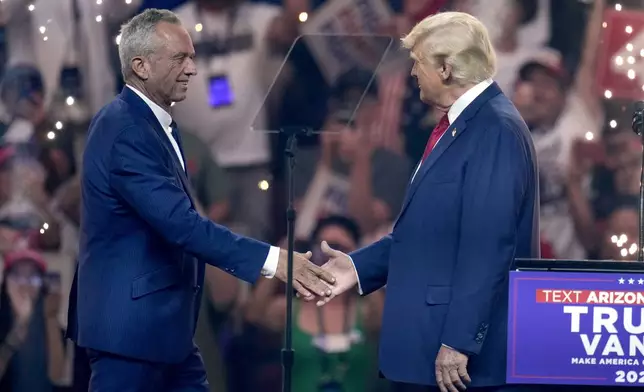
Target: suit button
[196, 288]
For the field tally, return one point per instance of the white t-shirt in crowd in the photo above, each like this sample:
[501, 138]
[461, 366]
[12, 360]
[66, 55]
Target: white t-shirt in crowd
[49, 37]
[554, 150]
[227, 130]
[534, 34]
[508, 65]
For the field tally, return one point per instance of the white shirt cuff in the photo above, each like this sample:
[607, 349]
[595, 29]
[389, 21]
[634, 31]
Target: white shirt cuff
[357, 277]
[270, 265]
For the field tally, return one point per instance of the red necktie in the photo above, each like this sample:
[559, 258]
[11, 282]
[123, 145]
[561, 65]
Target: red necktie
[440, 129]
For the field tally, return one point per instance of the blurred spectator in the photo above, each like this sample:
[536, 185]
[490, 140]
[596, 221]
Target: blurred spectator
[33, 128]
[252, 352]
[511, 53]
[348, 174]
[31, 355]
[620, 239]
[512, 24]
[614, 173]
[235, 41]
[560, 110]
[43, 156]
[210, 183]
[335, 345]
[24, 208]
[63, 38]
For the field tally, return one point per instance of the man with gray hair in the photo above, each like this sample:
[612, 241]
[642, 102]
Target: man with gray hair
[137, 290]
[471, 208]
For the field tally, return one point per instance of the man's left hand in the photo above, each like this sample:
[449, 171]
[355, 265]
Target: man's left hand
[451, 370]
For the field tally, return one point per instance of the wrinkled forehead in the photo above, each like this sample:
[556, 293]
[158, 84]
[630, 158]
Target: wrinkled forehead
[174, 37]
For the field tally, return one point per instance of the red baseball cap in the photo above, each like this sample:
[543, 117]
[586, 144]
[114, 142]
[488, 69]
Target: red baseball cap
[6, 153]
[549, 60]
[16, 256]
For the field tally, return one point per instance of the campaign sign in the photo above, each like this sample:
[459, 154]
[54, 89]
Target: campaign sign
[344, 34]
[621, 54]
[576, 328]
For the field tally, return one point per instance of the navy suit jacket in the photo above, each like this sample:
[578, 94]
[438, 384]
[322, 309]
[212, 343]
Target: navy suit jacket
[142, 247]
[469, 211]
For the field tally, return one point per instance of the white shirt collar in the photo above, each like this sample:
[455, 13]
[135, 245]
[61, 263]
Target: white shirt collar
[464, 100]
[164, 117]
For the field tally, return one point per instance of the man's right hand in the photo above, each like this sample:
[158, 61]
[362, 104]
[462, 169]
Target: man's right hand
[308, 278]
[341, 266]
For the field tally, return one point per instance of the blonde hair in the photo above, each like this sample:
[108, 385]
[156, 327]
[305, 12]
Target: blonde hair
[456, 39]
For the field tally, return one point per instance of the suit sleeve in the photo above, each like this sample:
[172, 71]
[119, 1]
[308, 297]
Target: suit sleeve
[139, 176]
[372, 265]
[495, 182]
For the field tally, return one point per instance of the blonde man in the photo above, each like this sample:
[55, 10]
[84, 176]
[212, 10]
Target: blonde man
[471, 208]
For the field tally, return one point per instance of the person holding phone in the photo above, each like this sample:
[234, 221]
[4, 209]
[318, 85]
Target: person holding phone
[236, 43]
[32, 353]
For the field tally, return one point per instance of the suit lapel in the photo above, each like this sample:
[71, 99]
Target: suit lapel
[141, 107]
[454, 131]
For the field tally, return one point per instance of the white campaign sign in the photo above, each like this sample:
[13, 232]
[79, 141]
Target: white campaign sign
[627, 60]
[341, 33]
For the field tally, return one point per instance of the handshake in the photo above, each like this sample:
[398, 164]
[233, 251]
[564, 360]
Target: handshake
[310, 281]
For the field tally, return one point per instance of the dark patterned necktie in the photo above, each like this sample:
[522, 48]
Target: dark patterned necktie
[177, 138]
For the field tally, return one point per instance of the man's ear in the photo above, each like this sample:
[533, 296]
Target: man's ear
[445, 73]
[141, 68]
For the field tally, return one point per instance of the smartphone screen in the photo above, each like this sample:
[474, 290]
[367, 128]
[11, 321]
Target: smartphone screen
[220, 92]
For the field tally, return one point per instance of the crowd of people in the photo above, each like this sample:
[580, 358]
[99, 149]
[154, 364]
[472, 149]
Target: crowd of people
[59, 67]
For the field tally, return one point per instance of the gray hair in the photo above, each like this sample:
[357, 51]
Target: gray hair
[138, 36]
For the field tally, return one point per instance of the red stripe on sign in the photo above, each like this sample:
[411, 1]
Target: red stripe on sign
[590, 297]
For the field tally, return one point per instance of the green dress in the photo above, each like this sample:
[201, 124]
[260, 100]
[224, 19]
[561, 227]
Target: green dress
[353, 370]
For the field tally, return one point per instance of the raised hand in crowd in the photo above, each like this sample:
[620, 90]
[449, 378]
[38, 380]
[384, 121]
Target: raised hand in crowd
[8, 238]
[52, 302]
[22, 302]
[330, 141]
[397, 26]
[34, 180]
[585, 155]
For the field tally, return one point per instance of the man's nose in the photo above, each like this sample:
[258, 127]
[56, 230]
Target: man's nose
[191, 68]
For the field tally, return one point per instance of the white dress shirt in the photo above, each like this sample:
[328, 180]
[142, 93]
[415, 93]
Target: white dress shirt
[452, 114]
[459, 106]
[165, 119]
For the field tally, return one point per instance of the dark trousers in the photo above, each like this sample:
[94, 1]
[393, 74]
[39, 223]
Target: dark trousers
[400, 387]
[113, 373]
[82, 371]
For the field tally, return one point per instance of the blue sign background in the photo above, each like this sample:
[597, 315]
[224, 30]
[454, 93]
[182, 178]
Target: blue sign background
[543, 350]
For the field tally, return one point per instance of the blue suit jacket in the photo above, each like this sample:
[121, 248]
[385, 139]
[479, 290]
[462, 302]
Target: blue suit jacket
[469, 211]
[139, 276]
